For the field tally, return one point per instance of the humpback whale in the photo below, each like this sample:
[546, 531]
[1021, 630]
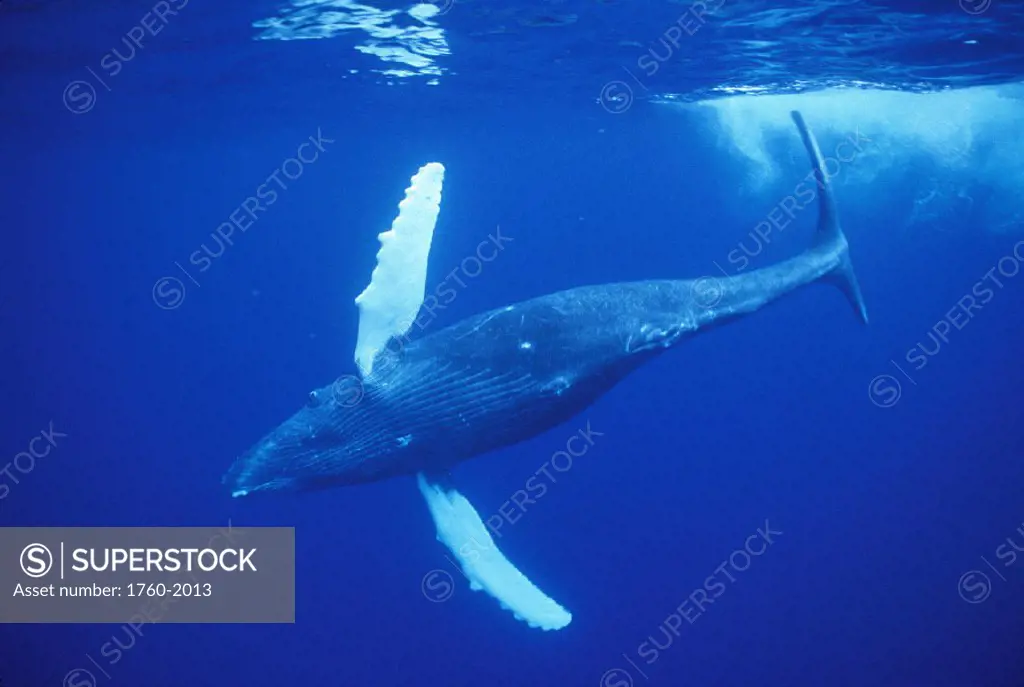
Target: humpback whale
[425, 404]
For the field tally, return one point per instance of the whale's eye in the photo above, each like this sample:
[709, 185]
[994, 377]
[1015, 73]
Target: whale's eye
[314, 399]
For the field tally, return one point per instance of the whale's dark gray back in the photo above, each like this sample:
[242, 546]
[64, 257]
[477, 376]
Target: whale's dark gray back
[498, 378]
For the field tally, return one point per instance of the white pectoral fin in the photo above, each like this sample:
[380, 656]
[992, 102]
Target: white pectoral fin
[460, 528]
[388, 306]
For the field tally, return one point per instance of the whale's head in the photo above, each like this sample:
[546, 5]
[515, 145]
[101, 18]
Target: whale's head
[336, 438]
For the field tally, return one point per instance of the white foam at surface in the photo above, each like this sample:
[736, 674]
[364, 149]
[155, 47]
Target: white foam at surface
[970, 135]
[460, 528]
[944, 123]
[389, 304]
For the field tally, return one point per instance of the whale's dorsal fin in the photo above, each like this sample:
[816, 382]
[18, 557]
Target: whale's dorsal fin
[389, 304]
[460, 528]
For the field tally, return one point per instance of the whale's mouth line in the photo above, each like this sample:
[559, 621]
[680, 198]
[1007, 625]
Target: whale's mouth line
[272, 463]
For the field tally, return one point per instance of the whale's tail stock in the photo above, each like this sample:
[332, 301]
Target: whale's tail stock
[715, 301]
[830, 242]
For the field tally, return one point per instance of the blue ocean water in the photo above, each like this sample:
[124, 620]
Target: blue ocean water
[879, 466]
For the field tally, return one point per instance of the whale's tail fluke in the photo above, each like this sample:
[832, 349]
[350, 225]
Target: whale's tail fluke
[829, 238]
